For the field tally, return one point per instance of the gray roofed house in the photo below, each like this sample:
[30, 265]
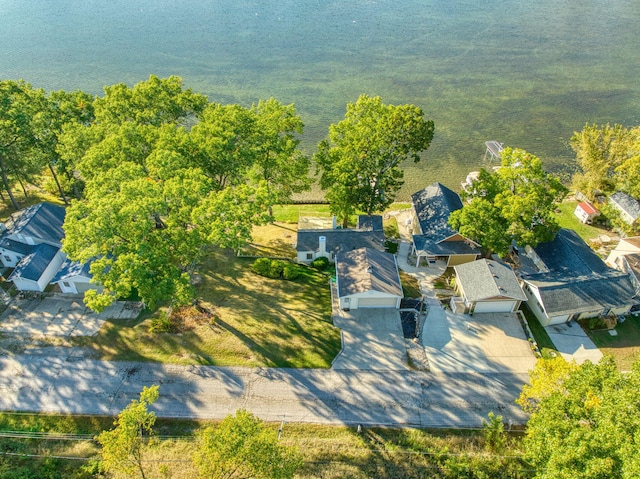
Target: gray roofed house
[574, 283]
[313, 244]
[435, 239]
[627, 205]
[488, 286]
[432, 207]
[367, 278]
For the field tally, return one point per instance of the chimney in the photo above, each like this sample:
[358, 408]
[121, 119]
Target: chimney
[322, 246]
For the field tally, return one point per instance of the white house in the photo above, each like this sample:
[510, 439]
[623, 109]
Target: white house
[75, 278]
[367, 278]
[37, 269]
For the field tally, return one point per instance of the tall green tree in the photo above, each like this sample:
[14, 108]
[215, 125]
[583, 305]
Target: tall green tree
[242, 447]
[19, 161]
[361, 158]
[516, 202]
[599, 151]
[587, 425]
[278, 161]
[123, 446]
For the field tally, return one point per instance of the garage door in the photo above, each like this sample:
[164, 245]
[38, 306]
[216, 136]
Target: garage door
[558, 319]
[495, 307]
[377, 303]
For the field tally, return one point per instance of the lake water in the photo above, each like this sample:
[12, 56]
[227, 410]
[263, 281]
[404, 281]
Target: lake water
[528, 74]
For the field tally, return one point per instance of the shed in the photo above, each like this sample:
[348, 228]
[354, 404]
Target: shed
[586, 212]
[38, 268]
[75, 278]
[367, 278]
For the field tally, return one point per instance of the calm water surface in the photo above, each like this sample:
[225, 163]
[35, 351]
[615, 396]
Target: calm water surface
[524, 73]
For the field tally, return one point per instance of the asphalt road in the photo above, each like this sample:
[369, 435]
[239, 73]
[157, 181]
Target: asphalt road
[65, 384]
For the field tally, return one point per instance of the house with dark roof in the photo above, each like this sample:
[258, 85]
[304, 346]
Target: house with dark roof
[31, 243]
[487, 286]
[75, 278]
[433, 239]
[626, 205]
[367, 278]
[315, 243]
[572, 282]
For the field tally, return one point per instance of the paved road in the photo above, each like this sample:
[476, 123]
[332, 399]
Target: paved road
[81, 386]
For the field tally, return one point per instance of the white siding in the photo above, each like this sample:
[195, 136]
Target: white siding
[495, 306]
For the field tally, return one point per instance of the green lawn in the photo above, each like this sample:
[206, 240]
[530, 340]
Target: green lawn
[256, 321]
[625, 346]
[567, 219]
[410, 286]
[547, 348]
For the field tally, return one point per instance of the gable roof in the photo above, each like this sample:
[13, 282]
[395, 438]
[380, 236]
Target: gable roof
[425, 245]
[486, 279]
[366, 269]
[370, 222]
[433, 205]
[633, 243]
[33, 265]
[583, 294]
[43, 221]
[340, 241]
[588, 208]
[567, 255]
[16, 246]
[72, 269]
[626, 203]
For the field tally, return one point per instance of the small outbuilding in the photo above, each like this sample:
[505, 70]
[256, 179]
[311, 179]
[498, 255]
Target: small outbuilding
[367, 278]
[75, 278]
[488, 286]
[586, 212]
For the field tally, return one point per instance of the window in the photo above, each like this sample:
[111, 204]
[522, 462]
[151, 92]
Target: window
[66, 284]
[8, 258]
[309, 255]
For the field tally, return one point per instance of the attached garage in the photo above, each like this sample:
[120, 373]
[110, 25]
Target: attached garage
[496, 306]
[367, 278]
[488, 286]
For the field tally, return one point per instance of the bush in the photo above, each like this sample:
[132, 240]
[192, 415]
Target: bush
[320, 263]
[162, 324]
[275, 269]
[291, 271]
[261, 266]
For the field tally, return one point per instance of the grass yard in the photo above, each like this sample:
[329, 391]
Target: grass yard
[273, 240]
[624, 347]
[256, 321]
[567, 219]
[547, 348]
[410, 286]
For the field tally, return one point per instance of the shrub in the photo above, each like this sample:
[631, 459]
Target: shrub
[320, 263]
[261, 266]
[391, 247]
[162, 324]
[276, 268]
[291, 271]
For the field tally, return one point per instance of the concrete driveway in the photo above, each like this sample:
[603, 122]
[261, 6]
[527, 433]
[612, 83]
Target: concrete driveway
[59, 315]
[483, 343]
[372, 340]
[573, 343]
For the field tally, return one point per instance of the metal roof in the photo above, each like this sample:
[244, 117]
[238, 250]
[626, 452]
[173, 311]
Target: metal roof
[626, 203]
[33, 265]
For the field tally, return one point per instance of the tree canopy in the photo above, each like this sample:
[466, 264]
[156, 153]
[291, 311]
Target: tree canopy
[361, 157]
[608, 158]
[516, 202]
[123, 446]
[585, 421]
[157, 189]
[242, 447]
